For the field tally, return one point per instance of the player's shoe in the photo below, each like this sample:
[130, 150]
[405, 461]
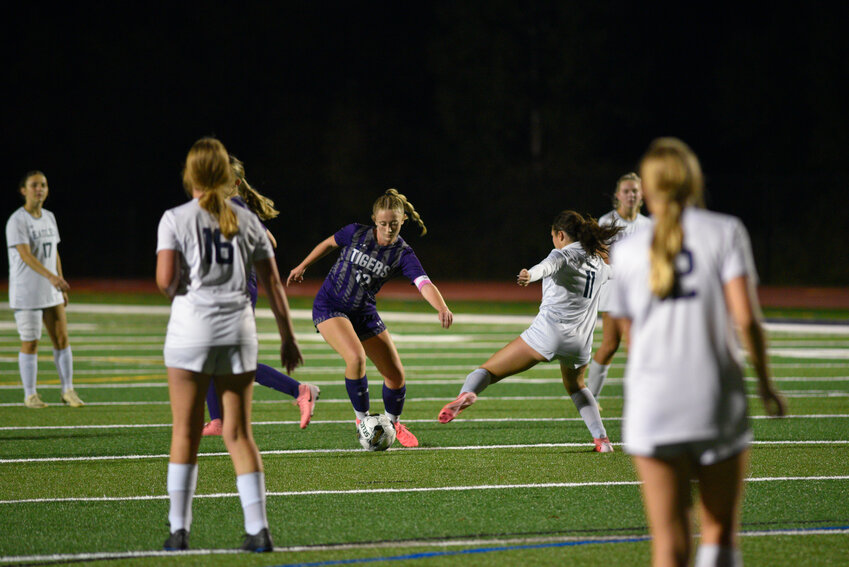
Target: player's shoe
[603, 445]
[404, 436]
[71, 398]
[307, 395]
[34, 401]
[178, 541]
[213, 428]
[258, 543]
[451, 410]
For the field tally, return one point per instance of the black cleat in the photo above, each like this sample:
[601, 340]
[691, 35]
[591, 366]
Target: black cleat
[258, 543]
[178, 541]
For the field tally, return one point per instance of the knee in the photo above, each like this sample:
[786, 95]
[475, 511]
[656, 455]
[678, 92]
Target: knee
[355, 362]
[394, 378]
[29, 347]
[61, 342]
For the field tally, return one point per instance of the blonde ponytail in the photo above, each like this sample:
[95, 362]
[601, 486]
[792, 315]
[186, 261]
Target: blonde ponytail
[392, 200]
[261, 205]
[672, 174]
[208, 170]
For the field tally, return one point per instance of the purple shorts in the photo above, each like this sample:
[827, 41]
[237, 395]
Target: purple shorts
[366, 322]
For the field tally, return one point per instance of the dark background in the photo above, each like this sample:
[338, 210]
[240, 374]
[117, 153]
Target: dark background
[490, 116]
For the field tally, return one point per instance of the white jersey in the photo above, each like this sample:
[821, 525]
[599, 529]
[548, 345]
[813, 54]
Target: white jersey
[628, 227]
[28, 289]
[212, 306]
[684, 377]
[570, 282]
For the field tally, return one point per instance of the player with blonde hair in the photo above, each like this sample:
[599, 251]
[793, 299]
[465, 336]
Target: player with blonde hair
[205, 251]
[627, 200]
[563, 329]
[38, 292]
[678, 290]
[305, 395]
[345, 312]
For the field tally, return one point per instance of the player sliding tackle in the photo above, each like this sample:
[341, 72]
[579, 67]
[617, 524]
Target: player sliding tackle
[571, 276]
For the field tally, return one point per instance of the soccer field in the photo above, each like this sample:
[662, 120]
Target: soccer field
[512, 481]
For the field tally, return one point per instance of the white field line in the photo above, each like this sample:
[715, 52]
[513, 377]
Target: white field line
[348, 421]
[466, 488]
[279, 452]
[418, 381]
[392, 316]
[785, 393]
[400, 545]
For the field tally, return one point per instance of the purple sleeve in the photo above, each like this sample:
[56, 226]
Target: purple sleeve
[410, 266]
[344, 235]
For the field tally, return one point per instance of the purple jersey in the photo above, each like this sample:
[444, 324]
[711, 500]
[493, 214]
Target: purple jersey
[364, 266]
[252, 285]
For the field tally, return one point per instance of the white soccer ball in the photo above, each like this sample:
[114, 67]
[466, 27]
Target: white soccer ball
[376, 433]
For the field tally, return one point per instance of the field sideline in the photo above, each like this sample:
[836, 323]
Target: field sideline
[513, 481]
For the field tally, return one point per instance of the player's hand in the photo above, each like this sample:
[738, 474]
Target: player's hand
[296, 275]
[65, 298]
[773, 402]
[290, 354]
[524, 278]
[59, 283]
[446, 318]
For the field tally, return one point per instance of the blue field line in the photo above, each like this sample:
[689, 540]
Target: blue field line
[431, 554]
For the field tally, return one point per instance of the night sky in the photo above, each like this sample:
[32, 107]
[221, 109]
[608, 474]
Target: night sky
[490, 116]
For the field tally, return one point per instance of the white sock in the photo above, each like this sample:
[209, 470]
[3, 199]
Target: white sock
[712, 555]
[182, 481]
[65, 367]
[252, 494]
[361, 415]
[477, 381]
[392, 417]
[596, 375]
[28, 365]
[588, 408]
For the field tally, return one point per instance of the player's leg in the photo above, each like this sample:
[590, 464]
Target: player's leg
[28, 322]
[573, 380]
[721, 494]
[382, 352]
[236, 396]
[515, 357]
[213, 404]
[340, 335]
[185, 390]
[668, 502]
[56, 323]
[305, 394]
[600, 364]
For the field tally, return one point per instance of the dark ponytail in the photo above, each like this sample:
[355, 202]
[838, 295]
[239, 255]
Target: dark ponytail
[594, 238]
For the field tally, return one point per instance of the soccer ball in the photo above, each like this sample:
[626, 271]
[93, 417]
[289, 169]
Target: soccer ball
[376, 433]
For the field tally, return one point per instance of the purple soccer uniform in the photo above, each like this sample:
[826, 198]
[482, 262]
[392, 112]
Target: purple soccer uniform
[362, 268]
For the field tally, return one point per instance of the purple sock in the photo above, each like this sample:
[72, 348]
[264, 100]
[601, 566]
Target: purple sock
[393, 400]
[271, 378]
[358, 393]
[212, 402]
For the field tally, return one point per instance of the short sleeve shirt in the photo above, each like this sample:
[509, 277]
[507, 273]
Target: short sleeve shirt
[28, 289]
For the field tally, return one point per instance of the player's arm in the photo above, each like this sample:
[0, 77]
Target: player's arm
[168, 272]
[323, 249]
[290, 353]
[431, 294]
[61, 275]
[271, 238]
[743, 305]
[30, 260]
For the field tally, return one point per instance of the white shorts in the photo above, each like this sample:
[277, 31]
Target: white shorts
[29, 323]
[704, 452]
[548, 338]
[214, 360]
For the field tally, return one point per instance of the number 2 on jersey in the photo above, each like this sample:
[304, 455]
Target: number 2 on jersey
[683, 266]
[213, 246]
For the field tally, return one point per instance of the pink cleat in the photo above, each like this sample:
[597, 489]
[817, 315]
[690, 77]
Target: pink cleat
[307, 395]
[450, 411]
[212, 428]
[404, 436]
[603, 445]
